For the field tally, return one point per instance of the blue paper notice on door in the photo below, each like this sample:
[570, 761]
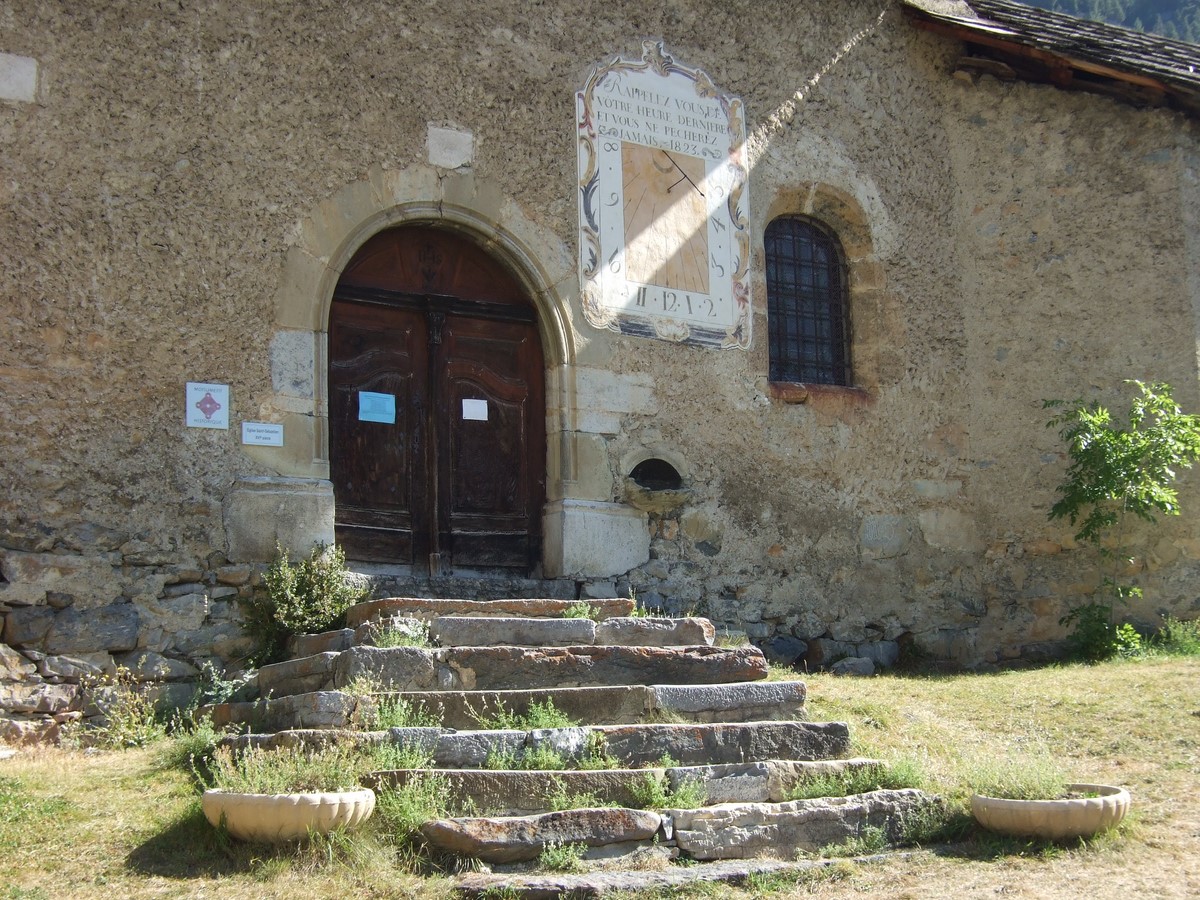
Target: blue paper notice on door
[374, 407]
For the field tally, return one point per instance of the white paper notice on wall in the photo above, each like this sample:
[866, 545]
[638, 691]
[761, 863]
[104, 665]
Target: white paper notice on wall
[475, 410]
[262, 434]
[373, 407]
[207, 405]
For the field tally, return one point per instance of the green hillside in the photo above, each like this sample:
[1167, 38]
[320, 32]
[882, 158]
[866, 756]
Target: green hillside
[1179, 19]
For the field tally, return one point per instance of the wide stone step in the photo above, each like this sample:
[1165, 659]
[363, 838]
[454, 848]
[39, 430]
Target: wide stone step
[628, 746]
[527, 792]
[634, 880]
[725, 831]
[746, 830]
[751, 701]
[521, 838]
[617, 631]
[421, 608]
[510, 668]
[490, 631]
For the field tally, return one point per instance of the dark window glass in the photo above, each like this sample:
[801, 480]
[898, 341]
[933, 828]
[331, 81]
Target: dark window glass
[807, 303]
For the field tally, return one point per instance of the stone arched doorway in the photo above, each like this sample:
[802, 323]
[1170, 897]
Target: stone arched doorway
[436, 387]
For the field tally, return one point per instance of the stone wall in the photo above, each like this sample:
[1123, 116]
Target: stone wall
[181, 192]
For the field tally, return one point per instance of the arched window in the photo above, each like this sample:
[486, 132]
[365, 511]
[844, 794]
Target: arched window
[808, 317]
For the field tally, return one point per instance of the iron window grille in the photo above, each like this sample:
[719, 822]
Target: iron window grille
[807, 303]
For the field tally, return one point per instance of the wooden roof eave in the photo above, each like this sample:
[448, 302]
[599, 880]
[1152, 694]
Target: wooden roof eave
[1060, 65]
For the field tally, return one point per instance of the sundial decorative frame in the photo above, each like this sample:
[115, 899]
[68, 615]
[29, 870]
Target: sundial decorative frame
[664, 246]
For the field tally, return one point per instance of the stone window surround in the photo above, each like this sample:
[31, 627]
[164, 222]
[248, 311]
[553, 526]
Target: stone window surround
[869, 302]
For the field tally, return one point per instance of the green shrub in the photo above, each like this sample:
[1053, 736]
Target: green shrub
[402, 633]
[383, 711]
[538, 715]
[308, 597]
[1177, 637]
[285, 770]
[561, 799]
[651, 792]
[402, 810]
[581, 609]
[560, 857]
[128, 714]
[869, 840]
[1017, 778]
[859, 780]
[1117, 471]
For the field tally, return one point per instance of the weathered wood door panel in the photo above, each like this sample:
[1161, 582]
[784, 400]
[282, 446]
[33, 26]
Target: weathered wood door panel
[490, 492]
[377, 467]
[458, 478]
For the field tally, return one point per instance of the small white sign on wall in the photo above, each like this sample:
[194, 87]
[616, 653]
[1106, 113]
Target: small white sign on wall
[262, 434]
[207, 405]
[475, 410]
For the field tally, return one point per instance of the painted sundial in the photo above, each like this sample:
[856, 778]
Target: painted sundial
[664, 244]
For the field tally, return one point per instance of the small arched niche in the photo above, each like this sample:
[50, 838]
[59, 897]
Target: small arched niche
[655, 485]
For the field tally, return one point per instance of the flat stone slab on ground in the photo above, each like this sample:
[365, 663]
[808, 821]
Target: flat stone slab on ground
[600, 883]
[512, 839]
[744, 830]
[646, 631]
[421, 608]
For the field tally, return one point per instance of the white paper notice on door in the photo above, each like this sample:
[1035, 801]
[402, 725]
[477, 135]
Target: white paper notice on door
[475, 410]
[373, 407]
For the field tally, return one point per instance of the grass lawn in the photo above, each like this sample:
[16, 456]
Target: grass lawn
[125, 824]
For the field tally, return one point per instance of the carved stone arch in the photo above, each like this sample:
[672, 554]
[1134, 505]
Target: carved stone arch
[328, 238]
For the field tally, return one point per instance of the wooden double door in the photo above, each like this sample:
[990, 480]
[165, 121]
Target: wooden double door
[436, 407]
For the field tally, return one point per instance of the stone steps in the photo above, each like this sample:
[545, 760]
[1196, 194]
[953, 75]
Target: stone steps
[621, 705]
[522, 792]
[630, 746]
[422, 608]
[510, 668]
[669, 718]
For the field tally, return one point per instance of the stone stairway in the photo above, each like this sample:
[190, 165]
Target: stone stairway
[667, 720]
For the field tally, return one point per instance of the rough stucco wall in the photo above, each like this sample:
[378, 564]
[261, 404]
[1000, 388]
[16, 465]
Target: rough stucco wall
[150, 198]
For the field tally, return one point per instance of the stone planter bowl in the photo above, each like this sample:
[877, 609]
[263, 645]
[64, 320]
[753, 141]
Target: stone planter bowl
[277, 818]
[1054, 820]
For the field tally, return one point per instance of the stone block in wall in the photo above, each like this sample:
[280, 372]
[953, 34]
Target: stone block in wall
[14, 666]
[949, 529]
[604, 396]
[18, 78]
[146, 665]
[883, 654]
[90, 581]
[113, 628]
[885, 537]
[27, 626]
[261, 512]
[225, 640]
[174, 614]
[40, 698]
[293, 362]
[143, 553]
[77, 666]
[18, 729]
[592, 540]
